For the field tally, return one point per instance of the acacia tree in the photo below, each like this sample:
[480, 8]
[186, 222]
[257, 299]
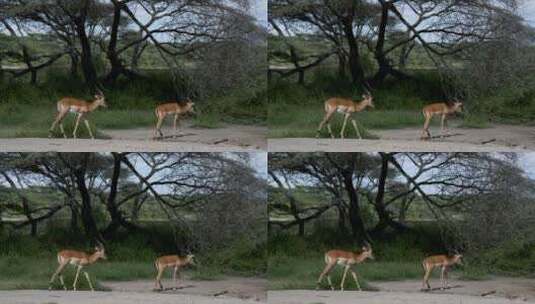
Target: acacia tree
[90, 184]
[174, 28]
[441, 28]
[386, 185]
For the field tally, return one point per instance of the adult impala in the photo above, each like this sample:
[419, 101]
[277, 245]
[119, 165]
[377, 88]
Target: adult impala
[172, 108]
[443, 109]
[445, 262]
[169, 261]
[79, 107]
[346, 259]
[78, 259]
[347, 107]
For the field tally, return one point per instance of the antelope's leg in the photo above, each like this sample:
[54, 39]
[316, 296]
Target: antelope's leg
[174, 122]
[56, 273]
[442, 125]
[159, 277]
[344, 277]
[446, 277]
[346, 117]
[59, 118]
[62, 281]
[88, 280]
[325, 120]
[76, 277]
[88, 128]
[330, 130]
[426, 276]
[324, 273]
[159, 124]
[356, 128]
[77, 123]
[443, 270]
[354, 274]
[425, 132]
[174, 275]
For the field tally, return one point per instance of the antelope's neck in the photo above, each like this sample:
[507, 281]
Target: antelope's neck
[359, 105]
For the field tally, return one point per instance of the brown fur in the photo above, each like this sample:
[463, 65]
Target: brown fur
[79, 259]
[443, 109]
[173, 261]
[78, 106]
[444, 262]
[172, 108]
[347, 107]
[348, 260]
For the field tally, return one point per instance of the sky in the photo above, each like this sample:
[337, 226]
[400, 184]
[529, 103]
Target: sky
[527, 10]
[259, 10]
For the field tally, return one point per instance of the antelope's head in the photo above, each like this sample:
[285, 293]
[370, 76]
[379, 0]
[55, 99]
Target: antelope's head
[457, 106]
[367, 253]
[190, 259]
[100, 99]
[367, 99]
[189, 106]
[457, 259]
[100, 253]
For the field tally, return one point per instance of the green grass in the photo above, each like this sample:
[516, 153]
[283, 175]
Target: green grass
[29, 262]
[303, 272]
[299, 121]
[28, 111]
[297, 110]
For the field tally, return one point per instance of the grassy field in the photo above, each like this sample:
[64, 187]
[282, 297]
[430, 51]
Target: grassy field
[28, 263]
[28, 111]
[297, 110]
[296, 262]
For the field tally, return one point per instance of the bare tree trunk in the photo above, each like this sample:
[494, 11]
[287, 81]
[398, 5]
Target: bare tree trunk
[88, 67]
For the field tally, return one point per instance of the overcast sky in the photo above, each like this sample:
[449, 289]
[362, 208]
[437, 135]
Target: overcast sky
[527, 10]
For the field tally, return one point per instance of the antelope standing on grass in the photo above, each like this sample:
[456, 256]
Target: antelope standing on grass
[347, 107]
[445, 262]
[442, 108]
[176, 108]
[78, 259]
[79, 107]
[347, 260]
[174, 261]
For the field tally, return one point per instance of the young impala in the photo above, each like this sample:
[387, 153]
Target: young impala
[79, 107]
[174, 261]
[176, 108]
[348, 108]
[444, 262]
[443, 109]
[78, 259]
[346, 259]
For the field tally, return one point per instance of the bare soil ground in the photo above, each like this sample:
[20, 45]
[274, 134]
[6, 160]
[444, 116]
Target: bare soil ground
[227, 291]
[493, 291]
[506, 138]
[227, 138]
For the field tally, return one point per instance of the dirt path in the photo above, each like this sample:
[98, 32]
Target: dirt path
[227, 138]
[114, 297]
[229, 287]
[230, 290]
[508, 288]
[496, 291]
[352, 297]
[496, 138]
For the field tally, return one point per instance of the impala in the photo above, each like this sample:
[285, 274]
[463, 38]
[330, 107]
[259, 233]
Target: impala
[79, 107]
[348, 108]
[176, 108]
[346, 259]
[443, 109]
[444, 262]
[78, 259]
[174, 261]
